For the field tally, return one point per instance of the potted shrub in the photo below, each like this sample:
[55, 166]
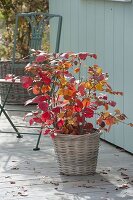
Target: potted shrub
[72, 109]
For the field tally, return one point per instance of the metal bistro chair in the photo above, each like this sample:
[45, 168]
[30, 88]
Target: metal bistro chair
[36, 22]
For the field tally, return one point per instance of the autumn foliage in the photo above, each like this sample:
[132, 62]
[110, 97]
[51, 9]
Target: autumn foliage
[68, 103]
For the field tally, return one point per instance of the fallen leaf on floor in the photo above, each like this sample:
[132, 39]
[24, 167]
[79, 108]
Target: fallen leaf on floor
[15, 168]
[22, 194]
[123, 174]
[119, 180]
[122, 169]
[127, 177]
[7, 176]
[12, 182]
[104, 172]
[124, 186]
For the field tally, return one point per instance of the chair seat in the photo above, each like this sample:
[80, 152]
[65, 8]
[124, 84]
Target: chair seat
[16, 81]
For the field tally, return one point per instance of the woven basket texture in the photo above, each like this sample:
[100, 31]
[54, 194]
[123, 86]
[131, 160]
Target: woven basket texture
[18, 95]
[77, 154]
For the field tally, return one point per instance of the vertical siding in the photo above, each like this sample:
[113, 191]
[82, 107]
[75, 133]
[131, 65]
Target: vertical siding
[103, 27]
[119, 66]
[128, 74]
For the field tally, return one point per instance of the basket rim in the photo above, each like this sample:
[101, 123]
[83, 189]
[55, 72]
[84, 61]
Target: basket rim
[96, 133]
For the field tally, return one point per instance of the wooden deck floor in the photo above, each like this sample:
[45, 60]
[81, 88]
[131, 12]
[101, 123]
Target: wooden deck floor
[33, 175]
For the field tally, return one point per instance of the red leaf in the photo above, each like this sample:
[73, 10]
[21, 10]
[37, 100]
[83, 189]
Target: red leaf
[88, 113]
[72, 80]
[79, 103]
[35, 120]
[46, 79]
[41, 58]
[45, 116]
[60, 123]
[52, 135]
[26, 81]
[88, 126]
[80, 118]
[81, 89]
[56, 110]
[43, 106]
[50, 122]
[31, 122]
[112, 103]
[77, 108]
[83, 55]
[40, 98]
[103, 97]
[94, 56]
[47, 131]
[65, 55]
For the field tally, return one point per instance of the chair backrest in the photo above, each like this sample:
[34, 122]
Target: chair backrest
[37, 22]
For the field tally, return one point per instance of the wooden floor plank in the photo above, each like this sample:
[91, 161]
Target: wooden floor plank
[33, 175]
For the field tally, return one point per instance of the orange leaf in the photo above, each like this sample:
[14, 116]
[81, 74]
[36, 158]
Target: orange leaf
[86, 102]
[36, 89]
[45, 88]
[130, 124]
[77, 70]
[69, 113]
[106, 106]
[110, 121]
[88, 85]
[65, 130]
[68, 92]
[68, 64]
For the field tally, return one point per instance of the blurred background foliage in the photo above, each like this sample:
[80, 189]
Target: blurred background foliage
[8, 11]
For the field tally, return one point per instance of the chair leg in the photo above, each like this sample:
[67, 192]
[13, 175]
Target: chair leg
[6, 115]
[38, 141]
[12, 124]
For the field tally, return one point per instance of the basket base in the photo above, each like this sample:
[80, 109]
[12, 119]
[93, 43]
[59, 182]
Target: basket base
[77, 154]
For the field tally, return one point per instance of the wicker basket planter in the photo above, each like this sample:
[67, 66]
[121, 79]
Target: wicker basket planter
[18, 95]
[77, 154]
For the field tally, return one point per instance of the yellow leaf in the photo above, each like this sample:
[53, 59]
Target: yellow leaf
[99, 70]
[60, 92]
[106, 114]
[99, 87]
[63, 81]
[61, 115]
[88, 85]
[117, 111]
